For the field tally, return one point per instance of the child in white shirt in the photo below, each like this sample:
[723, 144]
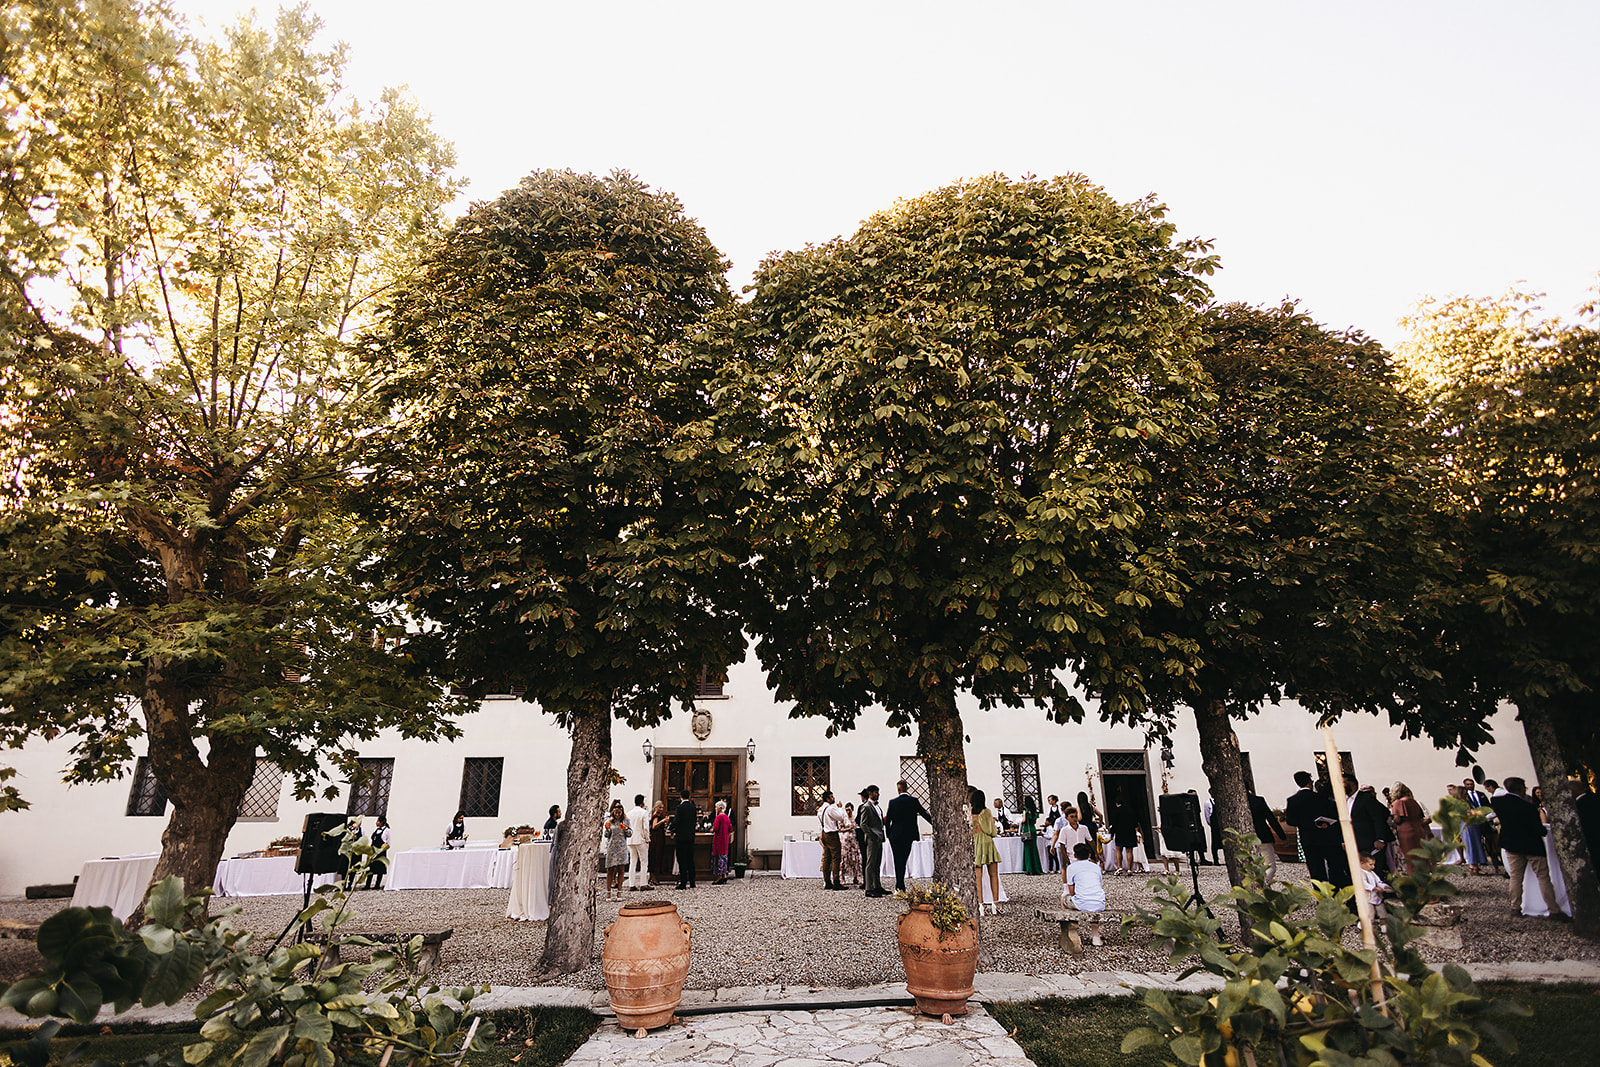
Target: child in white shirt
[1084, 889]
[1372, 885]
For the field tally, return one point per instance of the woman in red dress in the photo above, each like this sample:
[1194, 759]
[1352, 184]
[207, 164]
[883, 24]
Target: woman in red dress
[1410, 822]
[721, 837]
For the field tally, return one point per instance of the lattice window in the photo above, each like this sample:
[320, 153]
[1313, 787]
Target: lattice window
[1019, 778]
[146, 797]
[480, 786]
[809, 778]
[915, 774]
[369, 791]
[1346, 760]
[261, 800]
[709, 687]
[1122, 761]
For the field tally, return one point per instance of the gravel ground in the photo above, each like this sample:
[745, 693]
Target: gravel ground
[765, 930]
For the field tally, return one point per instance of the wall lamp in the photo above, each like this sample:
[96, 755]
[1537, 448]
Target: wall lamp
[750, 750]
[649, 750]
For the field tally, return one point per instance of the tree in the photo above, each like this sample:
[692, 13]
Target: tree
[1302, 524]
[537, 504]
[943, 426]
[1514, 397]
[191, 231]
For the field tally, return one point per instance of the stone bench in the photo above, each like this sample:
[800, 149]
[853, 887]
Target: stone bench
[22, 931]
[427, 960]
[1071, 938]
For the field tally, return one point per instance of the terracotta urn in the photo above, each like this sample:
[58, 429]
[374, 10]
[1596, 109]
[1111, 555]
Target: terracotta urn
[645, 961]
[939, 966]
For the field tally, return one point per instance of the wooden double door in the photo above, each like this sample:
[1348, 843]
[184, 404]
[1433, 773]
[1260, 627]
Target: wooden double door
[707, 777]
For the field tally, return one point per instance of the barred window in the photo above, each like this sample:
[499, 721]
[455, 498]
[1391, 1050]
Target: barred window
[480, 786]
[709, 687]
[146, 797]
[261, 800]
[1019, 778]
[914, 772]
[369, 791]
[808, 777]
[1122, 761]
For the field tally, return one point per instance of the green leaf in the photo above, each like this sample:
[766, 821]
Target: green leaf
[263, 1047]
[198, 1052]
[79, 1000]
[174, 975]
[164, 904]
[312, 1025]
[20, 993]
[1139, 1037]
[1189, 1049]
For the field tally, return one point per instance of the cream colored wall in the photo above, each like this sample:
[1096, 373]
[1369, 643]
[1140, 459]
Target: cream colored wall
[67, 826]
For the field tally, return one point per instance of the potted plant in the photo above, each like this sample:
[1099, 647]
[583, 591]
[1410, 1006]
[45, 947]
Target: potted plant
[938, 948]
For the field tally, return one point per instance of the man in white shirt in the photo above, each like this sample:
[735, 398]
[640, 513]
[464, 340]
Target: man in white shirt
[834, 820]
[638, 845]
[1069, 835]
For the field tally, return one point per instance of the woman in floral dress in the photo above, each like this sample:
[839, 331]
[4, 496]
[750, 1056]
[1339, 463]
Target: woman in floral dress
[617, 834]
[850, 851]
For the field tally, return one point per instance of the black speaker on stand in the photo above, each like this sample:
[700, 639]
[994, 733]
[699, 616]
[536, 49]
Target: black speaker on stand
[319, 854]
[1182, 830]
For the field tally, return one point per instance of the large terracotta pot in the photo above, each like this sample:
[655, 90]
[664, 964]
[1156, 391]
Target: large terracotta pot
[938, 973]
[645, 961]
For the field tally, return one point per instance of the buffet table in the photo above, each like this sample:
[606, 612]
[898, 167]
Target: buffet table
[459, 868]
[529, 897]
[116, 882]
[1011, 853]
[264, 876]
[803, 859]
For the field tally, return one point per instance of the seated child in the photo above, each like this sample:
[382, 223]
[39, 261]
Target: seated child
[1084, 889]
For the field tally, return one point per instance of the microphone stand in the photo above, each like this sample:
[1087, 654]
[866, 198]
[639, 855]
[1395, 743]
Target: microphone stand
[1195, 897]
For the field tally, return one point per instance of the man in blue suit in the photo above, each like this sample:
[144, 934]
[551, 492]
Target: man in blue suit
[900, 823]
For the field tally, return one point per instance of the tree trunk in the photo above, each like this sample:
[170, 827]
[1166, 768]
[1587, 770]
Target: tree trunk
[1571, 847]
[205, 794]
[569, 935]
[940, 744]
[1219, 758]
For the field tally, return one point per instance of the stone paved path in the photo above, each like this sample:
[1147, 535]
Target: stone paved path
[858, 1037]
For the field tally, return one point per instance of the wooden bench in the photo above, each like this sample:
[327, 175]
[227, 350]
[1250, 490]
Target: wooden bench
[427, 960]
[766, 859]
[1071, 938]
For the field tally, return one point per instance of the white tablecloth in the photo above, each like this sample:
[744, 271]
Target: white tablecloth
[1011, 853]
[460, 868]
[803, 859]
[1438, 832]
[119, 883]
[1532, 898]
[529, 899]
[263, 876]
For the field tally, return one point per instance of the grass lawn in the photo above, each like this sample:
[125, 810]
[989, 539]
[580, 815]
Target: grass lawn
[1563, 1031]
[528, 1037]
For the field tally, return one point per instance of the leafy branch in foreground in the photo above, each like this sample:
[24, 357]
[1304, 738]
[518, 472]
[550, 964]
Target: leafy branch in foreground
[1299, 997]
[280, 1006]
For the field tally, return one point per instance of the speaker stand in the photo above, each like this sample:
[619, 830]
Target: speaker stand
[1195, 898]
[301, 934]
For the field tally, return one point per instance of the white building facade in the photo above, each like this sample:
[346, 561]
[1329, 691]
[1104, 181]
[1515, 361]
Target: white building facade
[509, 767]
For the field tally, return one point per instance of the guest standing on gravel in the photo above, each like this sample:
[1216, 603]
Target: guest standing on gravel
[1030, 837]
[616, 842]
[721, 838]
[1315, 819]
[833, 821]
[380, 862]
[684, 824]
[985, 854]
[850, 849]
[660, 844]
[1522, 839]
[1410, 823]
[871, 823]
[900, 824]
[638, 844]
[1047, 828]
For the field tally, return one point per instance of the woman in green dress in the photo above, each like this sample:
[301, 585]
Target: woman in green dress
[984, 851]
[1030, 837]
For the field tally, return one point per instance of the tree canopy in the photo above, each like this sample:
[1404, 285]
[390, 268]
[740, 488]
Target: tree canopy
[192, 230]
[535, 487]
[942, 427]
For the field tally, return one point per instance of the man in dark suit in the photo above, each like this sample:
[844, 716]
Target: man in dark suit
[1370, 821]
[1316, 821]
[1522, 838]
[900, 823]
[684, 823]
[870, 819]
[1269, 831]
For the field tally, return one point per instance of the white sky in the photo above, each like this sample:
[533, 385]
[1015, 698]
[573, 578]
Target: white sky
[1356, 155]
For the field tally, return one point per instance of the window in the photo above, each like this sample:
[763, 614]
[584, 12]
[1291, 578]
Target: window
[709, 686]
[808, 776]
[480, 786]
[915, 774]
[1122, 761]
[1019, 778]
[147, 797]
[261, 799]
[369, 791]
